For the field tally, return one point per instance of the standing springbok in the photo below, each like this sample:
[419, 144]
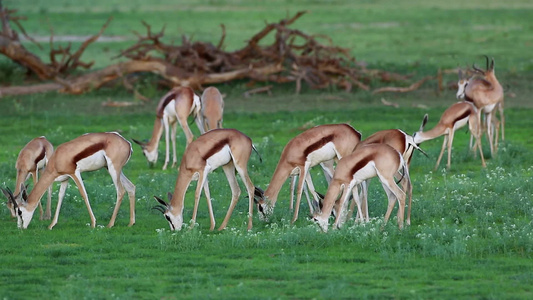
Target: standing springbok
[226, 148]
[453, 118]
[173, 108]
[365, 162]
[212, 109]
[486, 93]
[32, 159]
[89, 152]
[312, 147]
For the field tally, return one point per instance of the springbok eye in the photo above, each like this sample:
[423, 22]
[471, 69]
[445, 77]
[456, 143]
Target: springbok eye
[19, 212]
[168, 218]
[260, 207]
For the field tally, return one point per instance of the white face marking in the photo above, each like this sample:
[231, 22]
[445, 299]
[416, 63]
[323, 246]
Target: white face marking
[23, 217]
[461, 85]
[175, 222]
[265, 211]
[151, 156]
[322, 154]
[93, 162]
[322, 223]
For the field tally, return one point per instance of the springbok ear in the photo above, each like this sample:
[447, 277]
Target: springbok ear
[424, 121]
[492, 64]
[460, 74]
[258, 193]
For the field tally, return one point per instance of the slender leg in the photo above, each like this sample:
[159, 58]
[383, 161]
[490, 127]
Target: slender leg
[167, 145]
[79, 182]
[441, 151]
[301, 180]
[450, 143]
[130, 189]
[243, 173]
[201, 181]
[173, 134]
[293, 185]
[62, 190]
[229, 171]
[209, 205]
[311, 188]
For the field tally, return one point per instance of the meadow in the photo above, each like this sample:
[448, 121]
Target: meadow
[472, 230]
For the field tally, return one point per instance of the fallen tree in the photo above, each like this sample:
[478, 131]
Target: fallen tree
[293, 57]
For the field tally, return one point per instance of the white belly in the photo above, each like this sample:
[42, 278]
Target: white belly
[366, 172]
[326, 152]
[169, 112]
[93, 162]
[488, 108]
[460, 123]
[218, 159]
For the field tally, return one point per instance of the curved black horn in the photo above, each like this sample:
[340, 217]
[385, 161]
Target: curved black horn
[138, 142]
[161, 201]
[476, 69]
[159, 208]
[486, 61]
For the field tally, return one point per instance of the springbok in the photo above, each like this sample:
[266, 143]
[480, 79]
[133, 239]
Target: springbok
[32, 159]
[453, 118]
[405, 145]
[226, 148]
[89, 152]
[212, 109]
[312, 147]
[365, 162]
[173, 108]
[486, 93]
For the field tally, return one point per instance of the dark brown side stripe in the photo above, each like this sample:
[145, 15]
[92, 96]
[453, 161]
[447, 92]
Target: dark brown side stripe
[40, 157]
[318, 144]
[216, 147]
[88, 152]
[165, 102]
[465, 114]
[363, 162]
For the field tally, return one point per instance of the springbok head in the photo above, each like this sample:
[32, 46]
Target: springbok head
[18, 204]
[175, 222]
[151, 156]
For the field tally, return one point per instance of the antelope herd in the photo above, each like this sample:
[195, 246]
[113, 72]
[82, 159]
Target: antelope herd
[347, 161]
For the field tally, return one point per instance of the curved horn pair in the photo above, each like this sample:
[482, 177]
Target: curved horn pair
[10, 197]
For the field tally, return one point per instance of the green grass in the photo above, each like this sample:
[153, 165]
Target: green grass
[471, 232]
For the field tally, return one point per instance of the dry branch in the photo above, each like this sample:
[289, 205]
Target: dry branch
[293, 57]
[411, 88]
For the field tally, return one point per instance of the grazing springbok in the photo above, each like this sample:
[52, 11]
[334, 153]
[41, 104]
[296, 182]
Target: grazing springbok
[453, 118]
[173, 108]
[405, 145]
[365, 162]
[32, 159]
[486, 93]
[314, 146]
[226, 148]
[212, 109]
[89, 152]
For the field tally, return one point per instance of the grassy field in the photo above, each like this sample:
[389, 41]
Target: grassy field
[471, 233]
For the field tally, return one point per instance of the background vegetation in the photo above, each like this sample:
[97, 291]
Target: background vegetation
[471, 232]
